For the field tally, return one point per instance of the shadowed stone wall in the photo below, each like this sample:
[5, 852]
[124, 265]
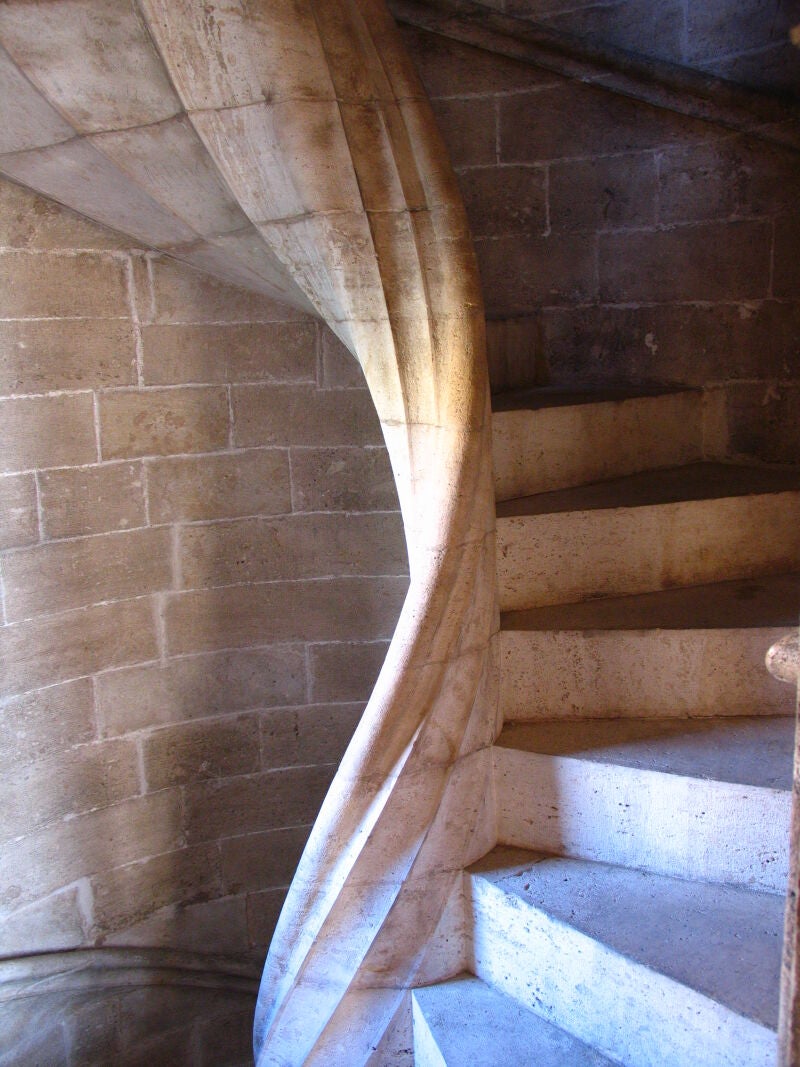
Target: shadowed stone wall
[622, 243]
[202, 564]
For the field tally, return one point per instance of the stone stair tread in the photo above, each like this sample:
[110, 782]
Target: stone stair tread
[550, 396]
[670, 485]
[722, 941]
[472, 1023]
[755, 751]
[771, 601]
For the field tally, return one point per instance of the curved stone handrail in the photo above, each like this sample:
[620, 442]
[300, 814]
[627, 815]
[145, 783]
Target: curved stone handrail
[316, 122]
[783, 658]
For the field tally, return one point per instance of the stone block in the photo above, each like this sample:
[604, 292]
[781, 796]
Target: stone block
[47, 431]
[342, 609]
[730, 177]
[90, 500]
[183, 294]
[92, 1023]
[188, 489]
[58, 787]
[340, 369]
[72, 644]
[56, 920]
[36, 865]
[317, 734]
[603, 194]
[449, 68]
[193, 751]
[342, 479]
[77, 573]
[251, 803]
[523, 273]
[196, 687]
[263, 910]
[712, 261]
[31, 221]
[572, 120]
[505, 200]
[763, 421]
[468, 128]
[218, 926]
[128, 894]
[33, 1033]
[44, 722]
[786, 274]
[52, 285]
[345, 670]
[635, 25]
[321, 545]
[299, 415]
[227, 1040]
[185, 353]
[45, 355]
[19, 513]
[260, 861]
[162, 422]
[716, 27]
[773, 69]
[514, 352]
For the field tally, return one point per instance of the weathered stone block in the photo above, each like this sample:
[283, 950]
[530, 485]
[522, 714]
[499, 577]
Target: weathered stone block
[345, 671]
[187, 489]
[44, 722]
[40, 356]
[218, 926]
[234, 352]
[31, 221]
[263, 910]
[58, 919]
[156, 422]
[714, 261]
[196, 687]
[340, 369]
[262, 860]
[47, 431]
[52, 285]
[763, 421]
[299, 415]
[190, 752]
[256, 802]
[786, 275]
[91, 500]
[240, 616]
[70, 574]
[468, 129]
[56, 648]
[186, 295]
[523, 273]
[603, 194]
[291, 546]
[342, 479]
[505, 200]
[19, 515]
[309, 735]
[128, 894]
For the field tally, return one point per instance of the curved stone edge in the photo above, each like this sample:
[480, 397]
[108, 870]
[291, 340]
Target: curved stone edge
[783, 658]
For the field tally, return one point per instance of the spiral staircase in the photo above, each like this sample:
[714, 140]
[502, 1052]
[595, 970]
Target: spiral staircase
[632, 911]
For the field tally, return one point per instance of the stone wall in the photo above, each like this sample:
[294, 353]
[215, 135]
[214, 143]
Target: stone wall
[623, 243]
[745, 41]
[202, 564]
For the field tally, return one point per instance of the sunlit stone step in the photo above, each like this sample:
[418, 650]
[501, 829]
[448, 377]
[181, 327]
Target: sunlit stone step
[652, 971]
[692, 651]
[465, 1022]
[552, 438]
[707, 799]
[707, 522]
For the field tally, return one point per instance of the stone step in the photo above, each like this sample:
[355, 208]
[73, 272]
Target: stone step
[707, 522]
[552, 438]
[707, 799]
[464, 1021]
[652, 971]
[681, 652]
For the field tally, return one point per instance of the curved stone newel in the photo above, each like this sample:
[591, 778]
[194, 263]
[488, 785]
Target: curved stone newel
[319, 126]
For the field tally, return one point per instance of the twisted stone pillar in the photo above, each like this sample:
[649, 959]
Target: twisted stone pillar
[317, 122]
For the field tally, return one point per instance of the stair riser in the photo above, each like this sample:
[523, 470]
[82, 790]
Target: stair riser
[570, 556]
[665, 823]
[642, 1018]
[426, 1051]
[642, 673]
[559, 447]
